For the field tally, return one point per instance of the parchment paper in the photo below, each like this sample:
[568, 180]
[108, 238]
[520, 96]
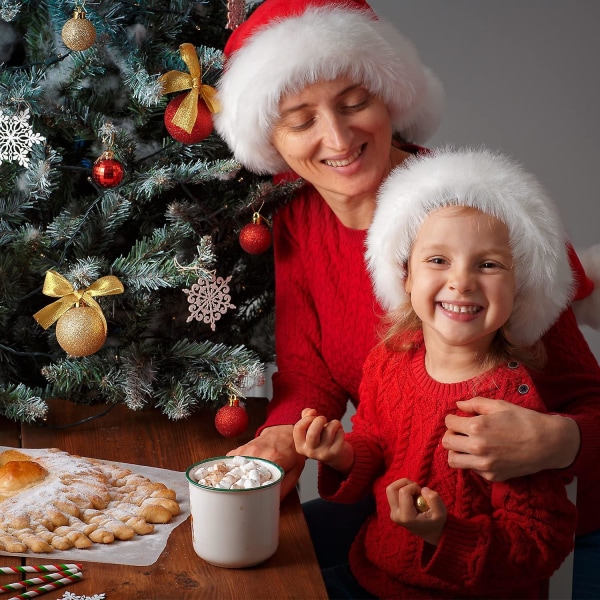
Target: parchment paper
[141, 550]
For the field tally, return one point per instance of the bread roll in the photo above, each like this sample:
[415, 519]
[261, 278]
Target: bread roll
[12, 454]
[15, 475]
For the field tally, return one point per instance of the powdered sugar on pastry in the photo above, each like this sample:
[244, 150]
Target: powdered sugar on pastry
[79, 502]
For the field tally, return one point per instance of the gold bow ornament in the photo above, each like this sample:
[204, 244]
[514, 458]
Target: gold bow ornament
[176, 81]
[79, 332]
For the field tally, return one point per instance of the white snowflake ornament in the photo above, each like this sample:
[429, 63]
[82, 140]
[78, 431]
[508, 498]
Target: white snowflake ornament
[17, 137]
[72, 596]
[209, 299]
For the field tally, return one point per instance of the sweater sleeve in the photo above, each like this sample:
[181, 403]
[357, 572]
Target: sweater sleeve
[530, 532]
[570, 381]
[302, 378]
[347, 489]
[365, 441]
[570, 385]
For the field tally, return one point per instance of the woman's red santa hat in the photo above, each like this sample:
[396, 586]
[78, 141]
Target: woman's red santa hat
[287, 44]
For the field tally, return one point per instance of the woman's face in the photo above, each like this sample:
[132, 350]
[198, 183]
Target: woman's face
[336, 135]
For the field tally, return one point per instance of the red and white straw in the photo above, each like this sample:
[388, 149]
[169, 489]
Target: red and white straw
[41, 568]
[21, 585]
[48, 587]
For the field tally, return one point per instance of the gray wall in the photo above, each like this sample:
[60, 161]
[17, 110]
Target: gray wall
[521, 76]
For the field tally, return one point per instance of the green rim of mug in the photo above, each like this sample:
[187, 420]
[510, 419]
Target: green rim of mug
[237, 490]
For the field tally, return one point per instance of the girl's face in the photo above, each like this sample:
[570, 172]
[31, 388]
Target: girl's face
[336, 135]
[460, 278]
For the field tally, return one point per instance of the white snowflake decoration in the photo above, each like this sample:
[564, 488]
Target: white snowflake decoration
[17, 137]
[72, 596]
[209, 299]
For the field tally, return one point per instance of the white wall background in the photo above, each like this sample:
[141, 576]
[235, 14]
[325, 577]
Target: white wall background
[521, 76]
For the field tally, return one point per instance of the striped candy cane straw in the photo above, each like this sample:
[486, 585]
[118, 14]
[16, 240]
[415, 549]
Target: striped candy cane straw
[20, 585]
[48, 587]
[41, 568]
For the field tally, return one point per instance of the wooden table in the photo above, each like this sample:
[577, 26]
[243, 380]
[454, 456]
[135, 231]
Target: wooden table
[149, 438]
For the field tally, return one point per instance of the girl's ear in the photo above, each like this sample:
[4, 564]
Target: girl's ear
[407, 278]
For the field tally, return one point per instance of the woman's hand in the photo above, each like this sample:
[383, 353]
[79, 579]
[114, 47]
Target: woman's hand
[276, 444]
[429, 524]
[323, 440]
[503, 440]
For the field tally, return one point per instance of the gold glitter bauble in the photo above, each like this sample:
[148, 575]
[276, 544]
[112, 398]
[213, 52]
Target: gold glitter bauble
[78, 33]
[80, 331]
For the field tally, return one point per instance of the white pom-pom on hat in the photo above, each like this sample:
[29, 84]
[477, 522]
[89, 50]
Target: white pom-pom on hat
[286, 44]
[497, 186]
[587, 310]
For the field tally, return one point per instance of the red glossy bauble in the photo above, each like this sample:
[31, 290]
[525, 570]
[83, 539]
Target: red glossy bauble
[232, 419]
[107, 172]
[255, 238]
[203, 126]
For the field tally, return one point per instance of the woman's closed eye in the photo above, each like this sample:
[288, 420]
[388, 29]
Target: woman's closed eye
[357, 106]
[301, 125]
[296, 120]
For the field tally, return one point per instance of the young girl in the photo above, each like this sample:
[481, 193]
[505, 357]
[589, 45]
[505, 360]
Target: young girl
[469, 257]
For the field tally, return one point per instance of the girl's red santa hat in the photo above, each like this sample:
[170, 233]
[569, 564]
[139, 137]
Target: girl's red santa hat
[287, 44]
[497, 186]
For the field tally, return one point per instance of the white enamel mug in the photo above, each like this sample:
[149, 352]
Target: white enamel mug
[235, 528]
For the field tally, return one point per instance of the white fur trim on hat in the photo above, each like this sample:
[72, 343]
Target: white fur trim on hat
[497, 186]
[321, 43]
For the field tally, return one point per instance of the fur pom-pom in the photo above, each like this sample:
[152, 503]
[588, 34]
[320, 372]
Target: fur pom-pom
[587, 310]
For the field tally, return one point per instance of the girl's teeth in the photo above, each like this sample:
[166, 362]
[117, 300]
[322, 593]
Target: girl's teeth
[460, 309]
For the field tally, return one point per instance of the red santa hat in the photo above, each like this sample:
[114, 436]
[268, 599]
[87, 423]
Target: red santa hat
[497, 186]
[287, 44]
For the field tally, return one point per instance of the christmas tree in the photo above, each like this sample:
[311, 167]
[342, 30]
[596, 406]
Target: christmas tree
[109, 220]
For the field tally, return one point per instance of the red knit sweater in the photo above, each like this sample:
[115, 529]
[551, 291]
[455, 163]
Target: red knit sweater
[501, 539]
[326, 318]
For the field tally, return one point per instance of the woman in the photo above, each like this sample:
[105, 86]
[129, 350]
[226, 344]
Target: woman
[315, 89]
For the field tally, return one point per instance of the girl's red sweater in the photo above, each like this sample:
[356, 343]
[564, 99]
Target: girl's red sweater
[500, 540]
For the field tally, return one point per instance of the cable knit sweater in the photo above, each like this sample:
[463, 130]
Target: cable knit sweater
[501, 539]
[326, 319]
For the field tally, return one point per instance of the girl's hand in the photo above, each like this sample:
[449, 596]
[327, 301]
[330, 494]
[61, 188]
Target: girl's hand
[402, 497]
[323, 440]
